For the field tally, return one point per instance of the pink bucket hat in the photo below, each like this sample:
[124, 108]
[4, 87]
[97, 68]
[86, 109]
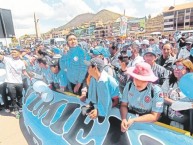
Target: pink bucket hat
[142, 71]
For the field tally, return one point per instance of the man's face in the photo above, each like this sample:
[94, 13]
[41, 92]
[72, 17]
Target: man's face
[188, 46]
[41, 65]
[72, 41]
[111, 50]
[151, 41]
[15, 53]
[54, 69]
[92, 70]
[28, 51]
[144, 46]
[149, 58]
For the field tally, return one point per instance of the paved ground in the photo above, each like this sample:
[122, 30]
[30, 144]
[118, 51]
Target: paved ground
[11, 130]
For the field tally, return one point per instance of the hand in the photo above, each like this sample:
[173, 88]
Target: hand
[93, 114]
[124, 125]
[83, 97]
[77, 87]
[130, 122]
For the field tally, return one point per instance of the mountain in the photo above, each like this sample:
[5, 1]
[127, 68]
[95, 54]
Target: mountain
[78, 20]
[103, 15]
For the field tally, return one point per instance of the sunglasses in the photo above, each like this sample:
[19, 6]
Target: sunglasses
[91, 51]
[178, 67]
[188, 44]
[151, 39]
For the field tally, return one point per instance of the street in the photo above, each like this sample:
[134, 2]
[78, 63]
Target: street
[11, 130]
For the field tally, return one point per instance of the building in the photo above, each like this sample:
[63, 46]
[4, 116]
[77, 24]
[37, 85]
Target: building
[179, 17]
[154, 24]
[103, 30]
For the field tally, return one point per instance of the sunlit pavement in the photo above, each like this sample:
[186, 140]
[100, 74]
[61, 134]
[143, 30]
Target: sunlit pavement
[11, 129]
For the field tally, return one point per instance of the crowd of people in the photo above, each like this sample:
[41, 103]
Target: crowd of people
[139, 76]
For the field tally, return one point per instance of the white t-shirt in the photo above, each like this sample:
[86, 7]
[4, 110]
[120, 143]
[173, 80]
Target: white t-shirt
[14, 70]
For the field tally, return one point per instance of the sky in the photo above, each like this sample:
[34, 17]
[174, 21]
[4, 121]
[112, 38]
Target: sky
[55, 13]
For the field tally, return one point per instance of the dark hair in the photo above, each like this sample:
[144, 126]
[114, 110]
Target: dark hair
[114, 45]
[167, 43]
[67, 36]
[124, 58]
[172, 79]
[42, 60]
[58, 64]
[42, 52]
[191, 58]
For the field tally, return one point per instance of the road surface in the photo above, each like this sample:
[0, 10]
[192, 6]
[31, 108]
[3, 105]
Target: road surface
[12, 130]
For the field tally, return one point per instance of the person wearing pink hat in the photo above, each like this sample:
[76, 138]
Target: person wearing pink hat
[141, 97]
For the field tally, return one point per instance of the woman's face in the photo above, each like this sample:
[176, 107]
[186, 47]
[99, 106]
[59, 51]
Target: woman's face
[72, 41]
[140, 85]
[166, 50]
[179, 70]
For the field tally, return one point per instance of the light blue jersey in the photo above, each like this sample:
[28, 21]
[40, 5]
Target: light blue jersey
[143, 102]
[102, 92]
[63, 61]
[60, 78]
[47, 74]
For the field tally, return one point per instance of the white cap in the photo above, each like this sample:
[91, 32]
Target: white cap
[164, 41]
[145, 41]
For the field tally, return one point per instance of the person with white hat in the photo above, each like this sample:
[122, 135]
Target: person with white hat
[144, 46]
[141, 97]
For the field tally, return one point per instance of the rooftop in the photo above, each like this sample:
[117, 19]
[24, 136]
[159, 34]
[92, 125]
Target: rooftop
[178, 7]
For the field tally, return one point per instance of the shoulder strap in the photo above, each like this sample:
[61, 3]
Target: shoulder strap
[130, 86]
[152, 92]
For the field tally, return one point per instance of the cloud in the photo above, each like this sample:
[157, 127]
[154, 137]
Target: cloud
[118, 6]
[55, 13]
[50, 13]
[155, 7]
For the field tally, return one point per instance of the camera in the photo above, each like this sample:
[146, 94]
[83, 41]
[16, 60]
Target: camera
[87, 109]
[55, 86]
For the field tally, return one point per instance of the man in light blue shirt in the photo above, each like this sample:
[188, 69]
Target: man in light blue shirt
[103, 89]
[46, 72]
[75, 67]
[58, 77]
